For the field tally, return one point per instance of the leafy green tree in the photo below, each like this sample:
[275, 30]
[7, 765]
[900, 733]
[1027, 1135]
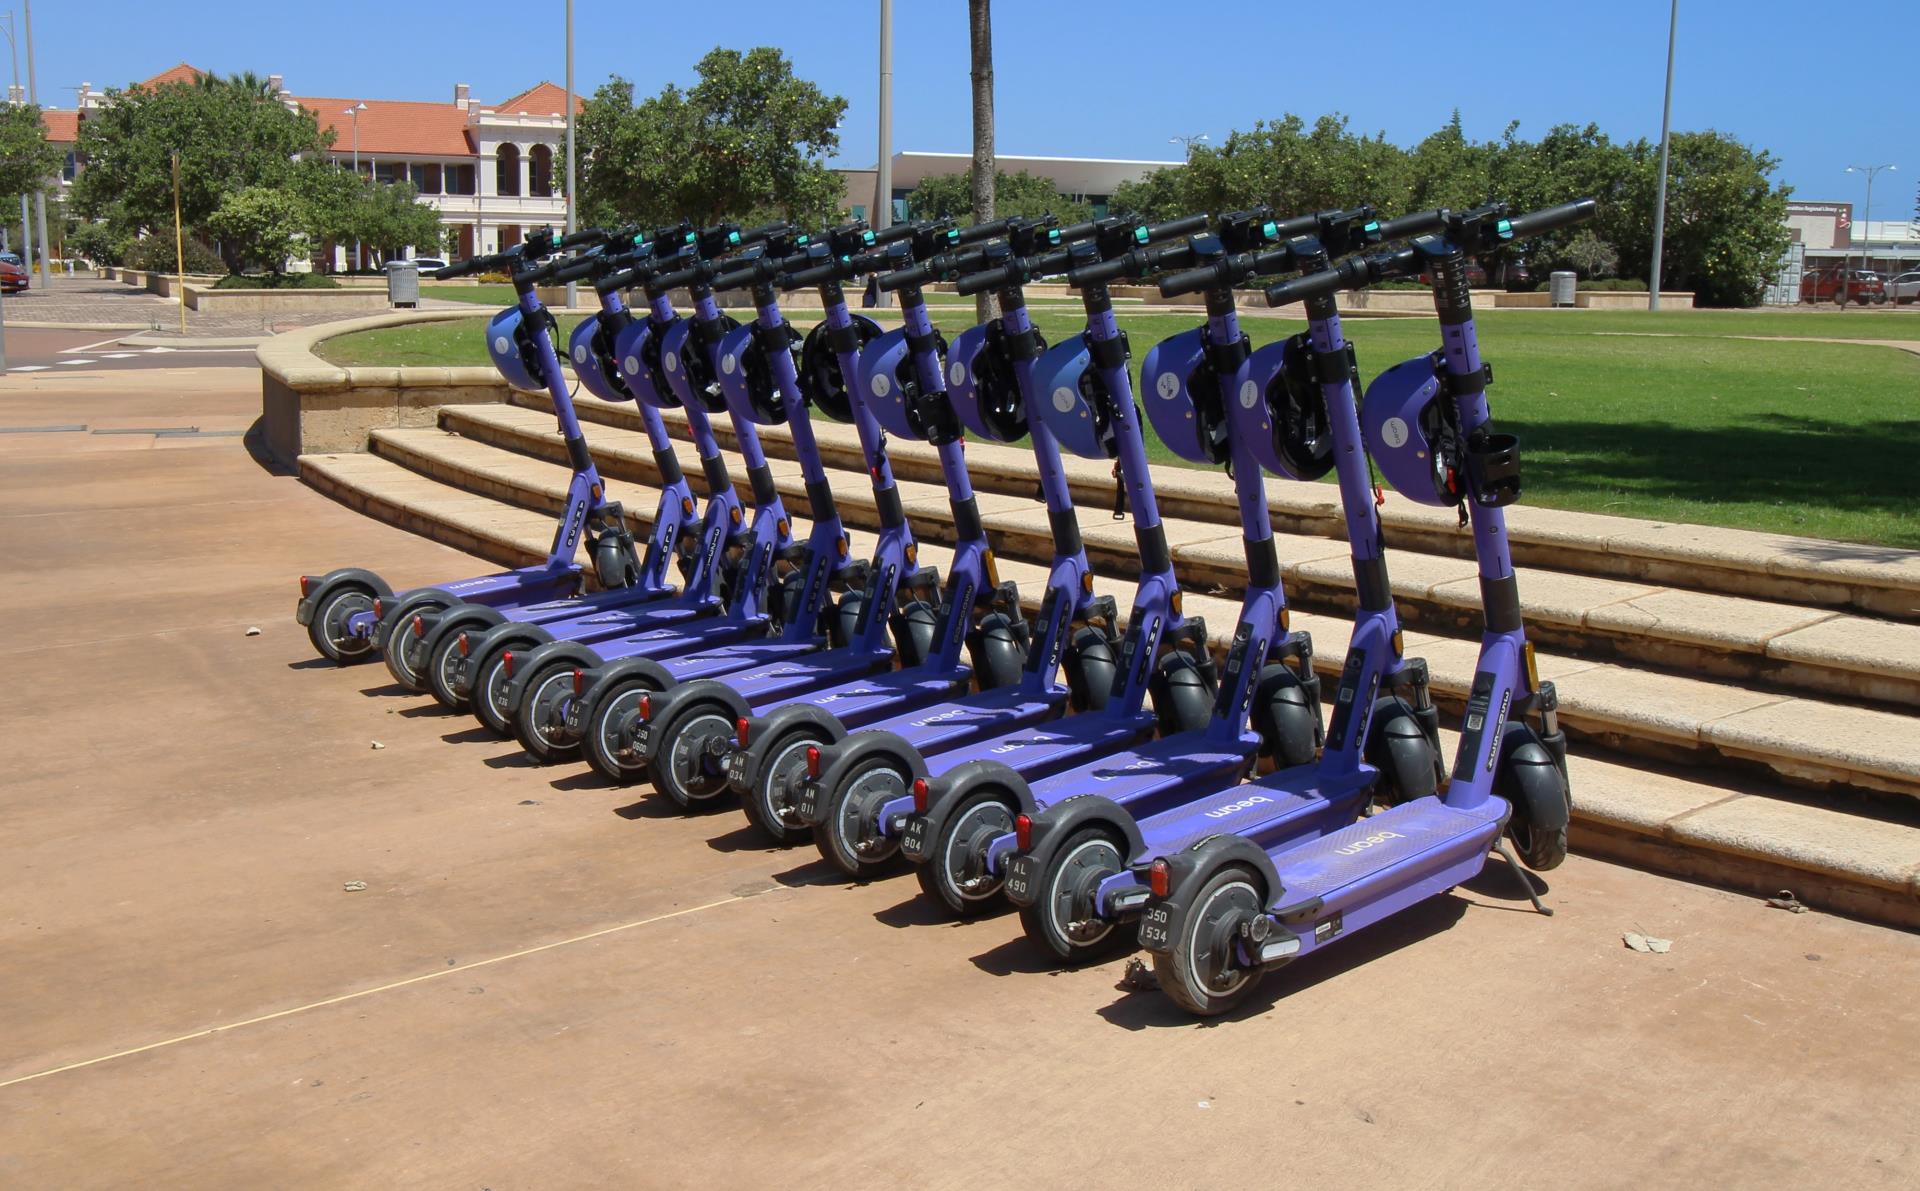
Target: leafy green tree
[1591, 256]
[388, 217]
[26, 159]
[1726, 220]
[1159, 195]
[231, 135]
[950, 196]
[259, 227]
[749, 138]
[98, 242]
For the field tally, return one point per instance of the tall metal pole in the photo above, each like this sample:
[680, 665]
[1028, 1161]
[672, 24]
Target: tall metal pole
[573, 293]
[883, 177]
[179, 247]
[1866, 238]
[1666, 144]
[39, 196]
[26, 214]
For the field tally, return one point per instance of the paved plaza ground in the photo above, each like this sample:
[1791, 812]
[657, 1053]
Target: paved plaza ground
[549, 983]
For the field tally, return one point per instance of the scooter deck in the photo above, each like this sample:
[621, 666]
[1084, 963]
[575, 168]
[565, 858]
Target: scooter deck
[1380, 865]
[600, 603]
[672, 640]
[1153, 776]
[1044, 748]
[590, 625]
[802, 665]
[1280, 810]
[856, 704]
[504, 586]
[972, 718]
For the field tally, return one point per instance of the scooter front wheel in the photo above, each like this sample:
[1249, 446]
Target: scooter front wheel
[328, 630]
[540, 723]
[1203, 972]
[847, 832]
[955, 872]
[1062, 918]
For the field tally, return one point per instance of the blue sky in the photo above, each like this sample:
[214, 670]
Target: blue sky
[1117, 91]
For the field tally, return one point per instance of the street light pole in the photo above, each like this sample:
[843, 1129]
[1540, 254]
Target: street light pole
[1866, 225]
[1187, 143]
[1666, 144]
[355, 111]
[26, 214]
[572, 287]
[883, 177]
[39, 196]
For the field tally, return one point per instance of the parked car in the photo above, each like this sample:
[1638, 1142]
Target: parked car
[1904, 288]
[427, 264]
[1841, 286]
[13, 274]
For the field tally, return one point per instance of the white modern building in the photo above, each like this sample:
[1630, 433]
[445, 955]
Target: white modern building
[1089, 179]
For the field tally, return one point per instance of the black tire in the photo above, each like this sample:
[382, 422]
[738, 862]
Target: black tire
[1090, 665]
[846, 813]
[1063, 891]
[998, 656]
[844, 617]
[1202, 970]
[603, 719]
[1879, 299]
[490, 683]
[1542, 803]
[536, 722]
[406, 654]
[989, 811]
[442, 654]
[915, 629]
[774, 784]
[680, 769]
[327, 631]
[1398, 747]
[1182, 696]
[1287, 717]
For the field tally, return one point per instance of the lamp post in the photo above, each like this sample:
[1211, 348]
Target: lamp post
[883, 176]
[1666, 144]
[1187, 143]
[354, 112]
[572, 288]
[26, 214]
[39, 196]
[1866, 224]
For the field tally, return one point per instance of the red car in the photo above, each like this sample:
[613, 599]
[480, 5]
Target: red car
[1841, 286]
[13, 275]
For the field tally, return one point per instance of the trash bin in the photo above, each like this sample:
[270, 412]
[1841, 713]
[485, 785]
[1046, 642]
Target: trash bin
[403, 283]
[1562, 284]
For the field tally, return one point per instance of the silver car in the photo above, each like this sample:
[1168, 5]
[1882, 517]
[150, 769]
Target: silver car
[1904, 288]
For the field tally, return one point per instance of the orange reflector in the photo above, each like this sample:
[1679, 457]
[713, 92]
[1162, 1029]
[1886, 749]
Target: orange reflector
[306, 581]
[913, 553]
[783, 527]
[991, 567]
[596, 491]
[1086, 582]
[921, 799]
[419, 626]
[686, 506]
[740, 731]
[1533, 668]
[1022, 832]
[1399, 644]
[1177, 603]
[579, 682]
[735, 514]
[813, 761]
[1158, 878]
[1286, 619]
[506, 663]
[842, 547]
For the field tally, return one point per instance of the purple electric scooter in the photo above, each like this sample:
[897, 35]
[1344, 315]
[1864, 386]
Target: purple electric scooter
[350, 613]
[1266, 701]
[725, 599]
[689, 731]
[1227, 909]
[1074, 869]
[758, 377]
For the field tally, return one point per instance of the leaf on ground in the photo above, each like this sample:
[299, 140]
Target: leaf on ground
[1646, 943]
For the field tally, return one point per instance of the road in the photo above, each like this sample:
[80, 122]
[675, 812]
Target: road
[34, 350]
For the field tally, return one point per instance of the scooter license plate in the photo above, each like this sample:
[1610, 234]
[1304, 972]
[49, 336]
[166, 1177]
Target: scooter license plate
[641, 736]
[1020, 877]
[1156, 928]
[807, 803]
[737, 769]
[913, 837]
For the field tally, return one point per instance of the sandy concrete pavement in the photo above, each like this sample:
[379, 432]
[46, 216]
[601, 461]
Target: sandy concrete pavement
[549, 983]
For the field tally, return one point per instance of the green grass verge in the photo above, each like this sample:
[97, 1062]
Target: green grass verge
[1687, 424]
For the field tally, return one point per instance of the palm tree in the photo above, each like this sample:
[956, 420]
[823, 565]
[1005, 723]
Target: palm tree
[980, 33]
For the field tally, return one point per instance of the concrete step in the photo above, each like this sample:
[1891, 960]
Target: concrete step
[1643, 625]
[1672, 717]
[1809, 572]
[1746, 835]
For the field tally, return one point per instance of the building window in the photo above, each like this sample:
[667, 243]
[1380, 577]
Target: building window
[506, 170]
[540, 171]
[71, 167]
[459, 179]
[859, 210]
[426, 178]
[509, 236]
[390, 171]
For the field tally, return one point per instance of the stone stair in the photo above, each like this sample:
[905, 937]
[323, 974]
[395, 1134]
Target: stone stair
[1725, 731]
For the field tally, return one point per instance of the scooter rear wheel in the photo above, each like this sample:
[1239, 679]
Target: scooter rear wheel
[845, 834]
[1066, 897]
[328, 629]
[679, 765]
[441, 659]
[773, 788]
[607, 718]
[406, 654]
[1202, 972]
[538, 724]
[947, 876]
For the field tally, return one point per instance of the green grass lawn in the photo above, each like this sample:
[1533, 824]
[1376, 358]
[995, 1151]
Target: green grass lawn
[481, 295]
[1686, 423]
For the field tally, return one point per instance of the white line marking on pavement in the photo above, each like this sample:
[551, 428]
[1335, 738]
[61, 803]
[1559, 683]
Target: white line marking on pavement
[29, 368]
[119, 355]
[86, 347]
[367, 992]
[75, 363]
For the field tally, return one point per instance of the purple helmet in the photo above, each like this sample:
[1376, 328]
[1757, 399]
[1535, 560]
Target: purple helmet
[1283, 411]
[591, 350]
[637, 349]
[689, 375]
[982, 386]
[746, 378]
[1073, 399]
[1182, 394]
[511, 344]
[891, 387]
[1410, 433]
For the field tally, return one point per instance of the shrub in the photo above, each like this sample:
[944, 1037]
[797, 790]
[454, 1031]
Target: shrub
[276, 281]
[1625, 285]
[99, 244]
[155, 253]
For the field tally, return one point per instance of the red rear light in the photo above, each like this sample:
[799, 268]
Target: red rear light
[306, 585]
[646, 707]
[740, 732]
[506, 663]
[579, 682]
[463, 645]
[921, 800]
[1158, 878]
[813, 761]
[1022, 832]
[378, 611]
[419, 626]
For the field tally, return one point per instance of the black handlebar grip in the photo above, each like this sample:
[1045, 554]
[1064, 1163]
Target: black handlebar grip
[675, 279]
[767, 232]
[1185, 226]
[1190, 281]
[814, 276]
[457, 269]
[578, 267]
[1416, 223]
[983, 231]
[894, 233]
[585, 235]
[1552, 218]
[1078, 231]
[902, 278]
[1301, 288]
[974, 283]
[1119, 266]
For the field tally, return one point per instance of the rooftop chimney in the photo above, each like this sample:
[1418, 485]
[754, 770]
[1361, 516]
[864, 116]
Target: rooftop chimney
[276, 83]
[462, 96]
[16, 94]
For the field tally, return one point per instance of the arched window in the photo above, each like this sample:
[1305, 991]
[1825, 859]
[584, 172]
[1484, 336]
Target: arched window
[506, 170]
[540, 167]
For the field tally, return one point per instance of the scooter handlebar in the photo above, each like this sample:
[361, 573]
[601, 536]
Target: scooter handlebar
[465, 268]
[1137, 263]
[983, 231]
[1417, 223]
[1186, 225]
[585, 235]
[1549, 219]
[581, 266]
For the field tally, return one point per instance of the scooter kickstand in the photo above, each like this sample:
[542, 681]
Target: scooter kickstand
[1513, 862]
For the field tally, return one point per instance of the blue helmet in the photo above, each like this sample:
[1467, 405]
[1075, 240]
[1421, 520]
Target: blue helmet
[591, 350]
[982, 386]
[1181, 391]
[820, 380]
[891, 389]
[1073, 399]
[689, 373]
[1412, 432]
[637, 349]
[1282, 410]
[510, 341]
[746, 378]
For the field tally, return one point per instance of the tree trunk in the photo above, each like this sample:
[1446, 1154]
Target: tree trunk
[980, 33]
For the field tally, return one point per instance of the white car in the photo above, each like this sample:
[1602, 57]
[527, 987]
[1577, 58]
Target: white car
[427, 264]
[1904, 288]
